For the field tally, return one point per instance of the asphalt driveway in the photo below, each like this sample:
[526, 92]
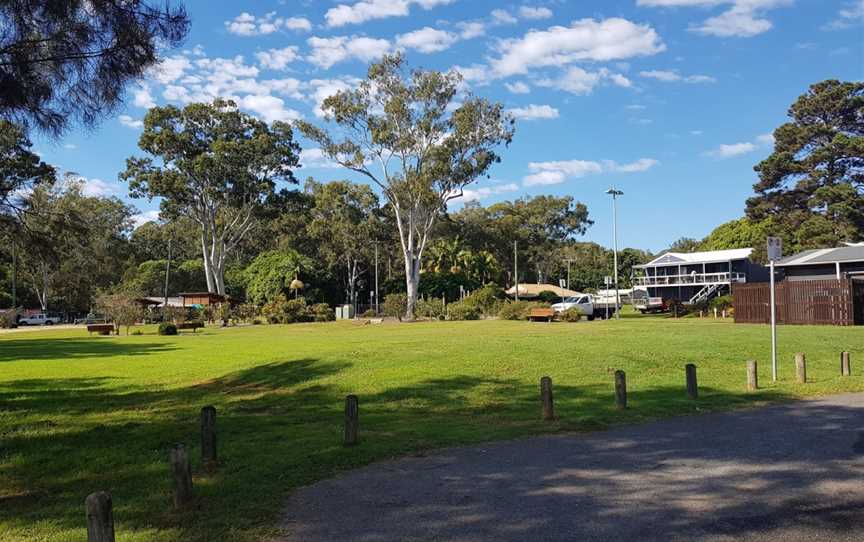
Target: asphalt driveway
[788, 472]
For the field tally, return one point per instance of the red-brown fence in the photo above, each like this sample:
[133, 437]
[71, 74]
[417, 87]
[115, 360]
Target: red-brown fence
[825, 302]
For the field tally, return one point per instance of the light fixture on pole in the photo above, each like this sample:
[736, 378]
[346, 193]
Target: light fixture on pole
[615, 193]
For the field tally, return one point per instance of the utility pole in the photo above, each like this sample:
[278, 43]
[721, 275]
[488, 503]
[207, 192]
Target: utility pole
[376, 278]
[167, 275]
[14, 282]
[516, 268]
[569, 261]
[615, 193]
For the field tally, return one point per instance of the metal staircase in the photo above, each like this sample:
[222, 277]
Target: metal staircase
[704, 294]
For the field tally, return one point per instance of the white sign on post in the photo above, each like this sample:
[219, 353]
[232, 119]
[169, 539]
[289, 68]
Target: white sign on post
[775, 249]
[562, 283]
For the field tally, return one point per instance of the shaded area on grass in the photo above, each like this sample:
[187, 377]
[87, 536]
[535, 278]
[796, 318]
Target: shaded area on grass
[64, 349]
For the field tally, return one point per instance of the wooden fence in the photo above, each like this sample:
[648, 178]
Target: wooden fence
[824, 302]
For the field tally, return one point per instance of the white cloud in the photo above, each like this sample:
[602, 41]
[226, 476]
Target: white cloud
[527, 12]
[329, 51]
[583, 40]
[742, 18]
[96, 188]
[368, 10]
[171, 69]
[635, 107]
[142, 218]
[670, 76]
[500, 16]
[696, 132]
[518, 87]
[323, 88]
[850, 15]
[143, 98]
[70, 146]
[129, 122]
[475, 73]
[534, 112]
[732, 149]
[577, 81]
[556, 172]
[314, 158]
[247, 24]
[476, 194]
[471, 29]
[269, 108]
[427, 40]
[765, 139]
[277, 59]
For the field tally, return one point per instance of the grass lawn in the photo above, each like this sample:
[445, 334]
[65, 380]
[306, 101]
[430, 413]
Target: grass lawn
[80, 414]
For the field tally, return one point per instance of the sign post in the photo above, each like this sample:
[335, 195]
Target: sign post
[607, 280]
[775, 252]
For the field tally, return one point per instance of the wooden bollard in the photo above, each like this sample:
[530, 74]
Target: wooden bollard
[546, 398]
[208, 435]
[100, 517]
[692, 388]
[752, 376]
[801, 367]
[352, 419]
[620, 389]
[181, 473]
[845, 364]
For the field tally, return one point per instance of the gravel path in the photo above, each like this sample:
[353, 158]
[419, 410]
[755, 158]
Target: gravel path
[789, 472]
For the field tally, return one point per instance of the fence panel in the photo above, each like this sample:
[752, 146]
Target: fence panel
[826, 302]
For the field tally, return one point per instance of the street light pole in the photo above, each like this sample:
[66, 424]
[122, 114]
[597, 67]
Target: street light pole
[377, 312]
[516, 267]
[569, 261]
[615, 193]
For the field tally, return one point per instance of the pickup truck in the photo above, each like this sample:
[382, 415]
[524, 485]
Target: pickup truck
[643, 303]
[40, 319]
[590, 306]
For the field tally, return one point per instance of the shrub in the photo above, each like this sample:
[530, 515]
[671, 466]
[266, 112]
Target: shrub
[571, 315]
[122, 309]
[517, 310]
[462, 311]
[370, 313]
[137, 332]
[430, 308]
[286, 311]
[487, 299]
[321, 312]
[167, 328]
[7, 320]
[395, 305]
[547, 296]
[723, 302]
[257, 322]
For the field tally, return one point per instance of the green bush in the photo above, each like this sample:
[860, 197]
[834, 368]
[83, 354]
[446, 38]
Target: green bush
[286, 311]
[518, 310]
[395, 305]
[370, 313]
[321, 312]
[462, 311]
[547, 296]
[167, 328]
[571, 315]
[7, 320]
[430, 308]
[137, 332]
[723, 302]
[487, 299]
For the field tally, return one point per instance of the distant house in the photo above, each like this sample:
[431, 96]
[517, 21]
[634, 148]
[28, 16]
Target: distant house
[530, 290]
[203, 299]
[824, 263]
[694, 277]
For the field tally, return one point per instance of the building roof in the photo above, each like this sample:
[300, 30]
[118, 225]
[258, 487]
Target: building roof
[710, 256]
[533, 290]
[851, 253]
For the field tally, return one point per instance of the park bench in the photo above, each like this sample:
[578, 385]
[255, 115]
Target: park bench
[102, 329]
[539, 314]
[190, 325]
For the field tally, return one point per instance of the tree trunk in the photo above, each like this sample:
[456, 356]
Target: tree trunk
[412, 283]
[207, 265]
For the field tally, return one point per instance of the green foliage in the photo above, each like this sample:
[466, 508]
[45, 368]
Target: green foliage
[685, 244]
[286, 311]
[570, 315]
[811, 185]
[722, 302]
[167, 328]
[322, 312]
[518, 310]
[462, 311]
[121, 309]
[487, 299]
[270, 274]
[7, 320]
[432, 308]
[395, 305]
[21, 169]
[547, 296]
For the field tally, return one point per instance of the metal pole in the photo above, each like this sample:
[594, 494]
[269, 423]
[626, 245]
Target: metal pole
[14, 282]
[773, 327]
[615, 254]
[376, 278]
[167, 274]
[516, 269]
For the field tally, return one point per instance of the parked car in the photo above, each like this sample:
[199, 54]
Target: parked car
[91, 319]
[587, 305]
[643, 303]
[40, 319]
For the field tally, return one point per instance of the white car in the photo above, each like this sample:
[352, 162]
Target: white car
[39, 320]
[582, 302]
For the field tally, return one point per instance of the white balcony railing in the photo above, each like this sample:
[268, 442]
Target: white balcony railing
[690, 279]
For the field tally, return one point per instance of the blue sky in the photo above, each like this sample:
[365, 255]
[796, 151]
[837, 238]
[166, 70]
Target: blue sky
[673, 101]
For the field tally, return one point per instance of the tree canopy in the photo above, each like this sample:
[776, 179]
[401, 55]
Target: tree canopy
[70, 60]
